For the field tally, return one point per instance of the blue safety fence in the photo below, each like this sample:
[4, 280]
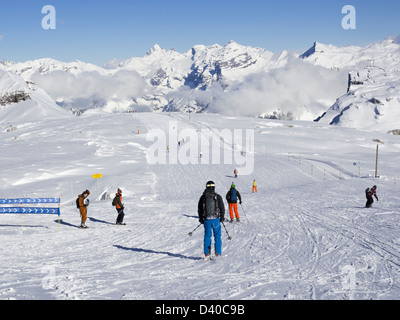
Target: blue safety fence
[30, 201]
[30, 210]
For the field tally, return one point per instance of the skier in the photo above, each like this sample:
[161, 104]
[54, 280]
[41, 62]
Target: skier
[232, 197]
[370, 193]
[120, 208]
[254, 186]
[83, 203]
[211, 212]
[236, 173]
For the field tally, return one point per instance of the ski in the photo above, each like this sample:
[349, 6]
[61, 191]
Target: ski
[212, 258]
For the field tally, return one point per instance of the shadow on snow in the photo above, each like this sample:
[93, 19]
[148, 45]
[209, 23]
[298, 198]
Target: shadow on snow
[175, 255]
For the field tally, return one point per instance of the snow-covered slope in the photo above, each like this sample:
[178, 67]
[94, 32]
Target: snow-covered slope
[304, 235]
[22, 101]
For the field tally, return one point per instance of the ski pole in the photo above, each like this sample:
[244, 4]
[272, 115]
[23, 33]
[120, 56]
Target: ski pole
[191, 233]
[244, 211]
[229, 237]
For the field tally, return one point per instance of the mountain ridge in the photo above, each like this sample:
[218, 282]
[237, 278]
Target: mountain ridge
[214, 78]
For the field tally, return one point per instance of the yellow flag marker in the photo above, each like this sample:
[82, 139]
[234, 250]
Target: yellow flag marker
[97, 177]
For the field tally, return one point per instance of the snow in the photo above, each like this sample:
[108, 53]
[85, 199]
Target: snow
[10, 83]
[305, 235]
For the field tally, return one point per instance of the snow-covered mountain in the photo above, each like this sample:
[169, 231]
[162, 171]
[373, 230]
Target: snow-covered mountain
[235, 80]
[373, 99]
[22, 100]
[165, 77]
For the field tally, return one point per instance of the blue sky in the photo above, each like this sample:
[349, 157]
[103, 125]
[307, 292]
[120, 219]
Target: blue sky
[98, 31]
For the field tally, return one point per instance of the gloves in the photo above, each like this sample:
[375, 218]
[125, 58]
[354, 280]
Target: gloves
[240, 202]
[201, 220]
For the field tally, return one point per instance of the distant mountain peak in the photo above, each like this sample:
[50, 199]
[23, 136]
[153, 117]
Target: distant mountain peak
[154, 49]
[316, 48]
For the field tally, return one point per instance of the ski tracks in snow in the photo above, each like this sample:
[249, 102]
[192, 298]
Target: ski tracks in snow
[301, 237]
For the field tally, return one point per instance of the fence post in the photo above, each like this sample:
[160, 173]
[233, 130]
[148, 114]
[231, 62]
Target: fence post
[376, 164]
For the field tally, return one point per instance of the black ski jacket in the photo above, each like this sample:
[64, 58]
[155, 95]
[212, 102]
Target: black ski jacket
[201, 207]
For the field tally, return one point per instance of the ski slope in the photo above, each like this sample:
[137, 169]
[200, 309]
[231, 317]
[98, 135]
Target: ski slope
[305, 235]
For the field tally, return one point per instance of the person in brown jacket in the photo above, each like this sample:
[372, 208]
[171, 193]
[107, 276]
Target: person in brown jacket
[83, 204]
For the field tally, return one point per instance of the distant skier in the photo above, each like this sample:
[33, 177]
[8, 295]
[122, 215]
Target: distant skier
[236, 173]
[254, 186]
[370, 193]
[120, 208]
[211, 212]
[83, 203]
[232, 197]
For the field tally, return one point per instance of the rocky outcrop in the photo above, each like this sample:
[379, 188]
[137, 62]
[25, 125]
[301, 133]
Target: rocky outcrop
[15, 97]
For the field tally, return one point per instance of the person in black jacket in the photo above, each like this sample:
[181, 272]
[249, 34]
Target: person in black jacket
[211, 212]
[232, 198]
[370, 193]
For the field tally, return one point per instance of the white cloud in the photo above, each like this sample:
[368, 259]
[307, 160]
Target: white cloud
[300, 88]
[88, 87]
[1, 37]
[394, 38]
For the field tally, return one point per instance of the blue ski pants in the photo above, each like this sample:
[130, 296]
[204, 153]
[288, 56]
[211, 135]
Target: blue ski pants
[212, 227]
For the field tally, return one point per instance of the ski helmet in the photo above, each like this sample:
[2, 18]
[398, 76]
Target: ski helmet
[210, 185]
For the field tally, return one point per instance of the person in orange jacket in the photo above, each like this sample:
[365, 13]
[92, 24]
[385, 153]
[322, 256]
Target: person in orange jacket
[254, 186]
[120, 208]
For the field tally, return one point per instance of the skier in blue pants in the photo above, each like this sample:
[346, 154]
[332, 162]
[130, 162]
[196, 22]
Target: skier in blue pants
[212, 227]
[211, 212]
